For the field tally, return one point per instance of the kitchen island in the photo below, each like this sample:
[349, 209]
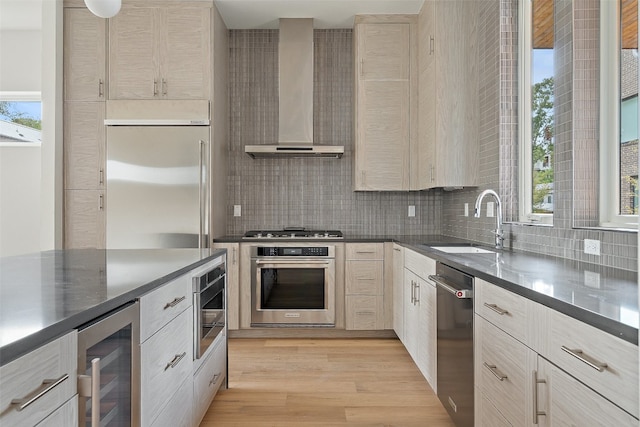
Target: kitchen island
[47, 294]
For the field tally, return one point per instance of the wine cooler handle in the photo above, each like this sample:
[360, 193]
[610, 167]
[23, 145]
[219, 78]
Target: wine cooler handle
[95, 392]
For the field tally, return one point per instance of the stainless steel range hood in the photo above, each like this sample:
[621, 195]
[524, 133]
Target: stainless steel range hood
[295, 137]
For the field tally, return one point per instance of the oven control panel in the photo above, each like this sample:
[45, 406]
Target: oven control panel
[307, 251]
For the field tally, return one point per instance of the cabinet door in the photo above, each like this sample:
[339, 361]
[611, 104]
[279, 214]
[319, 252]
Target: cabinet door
[84, 219]
[84, 55]
[84, 147]
[427, 318]
[398, 291]
[66, 415]
[427, 82]
[567, 402]
[364, 312]
[185, 66]
[383, 106]
[134, 54]
[411, 314]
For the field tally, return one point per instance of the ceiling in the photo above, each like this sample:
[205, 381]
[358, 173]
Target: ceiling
[262, 14]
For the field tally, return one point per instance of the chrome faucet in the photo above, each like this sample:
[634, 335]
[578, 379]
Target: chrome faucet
[498, 231]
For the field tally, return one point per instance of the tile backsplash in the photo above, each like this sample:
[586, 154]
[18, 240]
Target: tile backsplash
[314, 193]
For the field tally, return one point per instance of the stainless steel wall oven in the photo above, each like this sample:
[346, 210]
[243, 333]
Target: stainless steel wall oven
[209, 306]
[293, 285]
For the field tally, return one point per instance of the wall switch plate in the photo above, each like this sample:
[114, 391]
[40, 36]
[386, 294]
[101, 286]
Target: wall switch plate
[490, 209]
[592, 247]
[237, 210]
[466, 209]
[412, 210]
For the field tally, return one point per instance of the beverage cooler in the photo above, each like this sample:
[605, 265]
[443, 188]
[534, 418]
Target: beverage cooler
[109, 369]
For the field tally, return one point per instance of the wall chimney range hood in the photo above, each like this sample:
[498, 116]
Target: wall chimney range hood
[295, 138]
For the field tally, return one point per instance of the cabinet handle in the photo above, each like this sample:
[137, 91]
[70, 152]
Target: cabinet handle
[175, 360]
[365, 313]
[46, 386]
[494, 307]
[431, 169]
[365, 252]
[155, 87]
[536, 412]
[101, 176]
[495, 372]
[101, 202]
[365, 278]
[579, 354]
[214, 379]
[431, 45]
[361, 67]
[234, 256]
[397, 249]
[164, 87]
[100, 88]
[412, 293]
[176, 301]
[417, 298]
[89, 386]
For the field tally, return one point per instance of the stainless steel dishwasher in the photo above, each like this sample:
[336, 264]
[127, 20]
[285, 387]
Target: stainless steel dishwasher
[455, 343]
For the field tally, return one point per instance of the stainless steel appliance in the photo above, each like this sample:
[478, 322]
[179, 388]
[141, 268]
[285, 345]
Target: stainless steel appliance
[109, 369]
[209, 304]
[293, 233]
[293, 285]
[157, 189]
[455, 343]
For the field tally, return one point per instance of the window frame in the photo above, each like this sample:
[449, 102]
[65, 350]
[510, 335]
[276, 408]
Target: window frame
[610, 191]
[21, 96]
[525, 168]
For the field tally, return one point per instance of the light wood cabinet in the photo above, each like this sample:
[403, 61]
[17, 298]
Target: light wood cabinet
[398, 291]
[448, 121]
[364, 286]
[84, 145]
[66, 415]
[233, 283]
[84, 219]
[85, 41]
[48, 372]
[161, 306]
[178, 412]
[160, 53]
[385, 86]
[208, 379]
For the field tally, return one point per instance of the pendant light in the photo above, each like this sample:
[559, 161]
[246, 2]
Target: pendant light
[104, 8]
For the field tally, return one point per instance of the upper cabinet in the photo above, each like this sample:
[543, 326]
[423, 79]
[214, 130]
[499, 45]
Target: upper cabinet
[385, 101]
[448, 124]
[160, 53]
[85, 38]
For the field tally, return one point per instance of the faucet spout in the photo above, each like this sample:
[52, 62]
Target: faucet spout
[499, 233]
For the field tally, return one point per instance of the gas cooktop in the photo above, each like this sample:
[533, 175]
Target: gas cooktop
[293, 233]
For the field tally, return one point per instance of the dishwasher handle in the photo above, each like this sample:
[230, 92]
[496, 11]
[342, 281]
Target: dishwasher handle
[459, 293]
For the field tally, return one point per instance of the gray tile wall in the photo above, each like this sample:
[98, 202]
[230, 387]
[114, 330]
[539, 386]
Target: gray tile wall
[315, 193]
[575, 122]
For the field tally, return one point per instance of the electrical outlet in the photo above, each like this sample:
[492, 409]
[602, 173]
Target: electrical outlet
[237, 210]
[466, 209]
[412, 210]
[490, 209]
[592, 247]
[592, 279]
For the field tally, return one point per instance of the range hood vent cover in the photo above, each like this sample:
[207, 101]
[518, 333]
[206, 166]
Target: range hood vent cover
[295, 59]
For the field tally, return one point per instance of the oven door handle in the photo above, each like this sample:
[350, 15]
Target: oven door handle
[300, 263]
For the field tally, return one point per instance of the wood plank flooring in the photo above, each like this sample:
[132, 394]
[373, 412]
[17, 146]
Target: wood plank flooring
[324, 382]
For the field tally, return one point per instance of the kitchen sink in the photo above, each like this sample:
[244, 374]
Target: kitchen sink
[462, 249]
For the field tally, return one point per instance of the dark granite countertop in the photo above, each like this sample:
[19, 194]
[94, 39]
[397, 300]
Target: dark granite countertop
[604, 297]
[47, 294]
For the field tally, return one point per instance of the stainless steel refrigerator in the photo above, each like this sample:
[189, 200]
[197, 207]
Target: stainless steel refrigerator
[157, 174]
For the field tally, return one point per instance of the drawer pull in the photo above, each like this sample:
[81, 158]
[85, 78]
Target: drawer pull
[397, 249]
[175, 360]
[494, 307]
[536, 412]
[214, 379]
[365, 278]
[579, 354]
[365, 252]
[495, 372]
[46, 386]
[365, 313]
[175, 302]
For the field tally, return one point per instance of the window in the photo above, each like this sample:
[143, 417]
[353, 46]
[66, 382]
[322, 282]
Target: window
[20, 117]
[536, 111]
[619, 114]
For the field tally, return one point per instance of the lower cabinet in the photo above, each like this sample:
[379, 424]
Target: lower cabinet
[575, 375]
[209, 377]
[364, 286]
[178, 411]
[66, 415]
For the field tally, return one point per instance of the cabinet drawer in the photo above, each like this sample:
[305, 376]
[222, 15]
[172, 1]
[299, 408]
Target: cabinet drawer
[419, 264]
[36, 372]
[208, 379]
[486, 415]
[364, 313]
[581, 350]
[166, 359]
[500, 370]
[158, 307]
[364, 277]
[365, 251]
[179, 410]
[506, 310]
[66, 415]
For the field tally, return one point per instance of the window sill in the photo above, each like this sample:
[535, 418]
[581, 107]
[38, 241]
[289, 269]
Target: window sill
[530, 223]
[609, 227]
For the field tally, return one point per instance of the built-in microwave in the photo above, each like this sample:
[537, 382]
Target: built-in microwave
[209, 305]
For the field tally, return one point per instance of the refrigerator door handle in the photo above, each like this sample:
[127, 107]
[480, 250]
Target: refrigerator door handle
[203, 188]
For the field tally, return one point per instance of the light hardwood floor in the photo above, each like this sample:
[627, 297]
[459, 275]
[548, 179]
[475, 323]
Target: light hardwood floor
[324, 382]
